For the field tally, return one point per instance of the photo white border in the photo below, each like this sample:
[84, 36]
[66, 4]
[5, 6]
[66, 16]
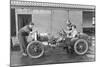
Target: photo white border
[5, 34]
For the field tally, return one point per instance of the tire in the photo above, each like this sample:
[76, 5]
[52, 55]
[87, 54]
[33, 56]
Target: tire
[81, 47]
[35, 49]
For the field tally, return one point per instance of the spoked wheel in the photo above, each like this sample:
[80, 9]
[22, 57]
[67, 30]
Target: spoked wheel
[81, 47]
[35, 49]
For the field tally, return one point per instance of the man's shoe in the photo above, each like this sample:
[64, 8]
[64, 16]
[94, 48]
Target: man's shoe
[24, 54]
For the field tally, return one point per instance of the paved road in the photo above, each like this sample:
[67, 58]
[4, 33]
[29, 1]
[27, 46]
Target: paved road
[56, 55]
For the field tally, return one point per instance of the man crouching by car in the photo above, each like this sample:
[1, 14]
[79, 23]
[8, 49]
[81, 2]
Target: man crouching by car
[23, 32]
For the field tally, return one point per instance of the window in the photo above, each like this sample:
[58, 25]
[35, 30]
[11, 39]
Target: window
[89, 22]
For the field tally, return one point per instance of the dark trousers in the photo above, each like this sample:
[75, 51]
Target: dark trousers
[23, 41]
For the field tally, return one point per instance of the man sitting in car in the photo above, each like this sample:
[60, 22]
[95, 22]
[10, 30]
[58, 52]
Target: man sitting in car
[73, 32]
[70, 32]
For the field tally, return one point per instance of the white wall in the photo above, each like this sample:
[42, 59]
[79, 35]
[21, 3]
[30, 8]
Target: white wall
[54, 19]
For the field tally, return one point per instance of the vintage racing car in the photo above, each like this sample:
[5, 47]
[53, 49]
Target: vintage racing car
[37, 41]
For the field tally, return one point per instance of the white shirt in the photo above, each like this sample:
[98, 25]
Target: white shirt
[72, 32]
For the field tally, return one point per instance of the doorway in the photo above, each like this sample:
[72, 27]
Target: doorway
[24, 19]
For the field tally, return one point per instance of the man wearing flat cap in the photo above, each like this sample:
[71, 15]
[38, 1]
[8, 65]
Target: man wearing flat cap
[23, 32]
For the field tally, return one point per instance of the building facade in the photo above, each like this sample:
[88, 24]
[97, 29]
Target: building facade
[51, 17]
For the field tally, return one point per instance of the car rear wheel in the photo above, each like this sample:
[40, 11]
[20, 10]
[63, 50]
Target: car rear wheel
[81, 47]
